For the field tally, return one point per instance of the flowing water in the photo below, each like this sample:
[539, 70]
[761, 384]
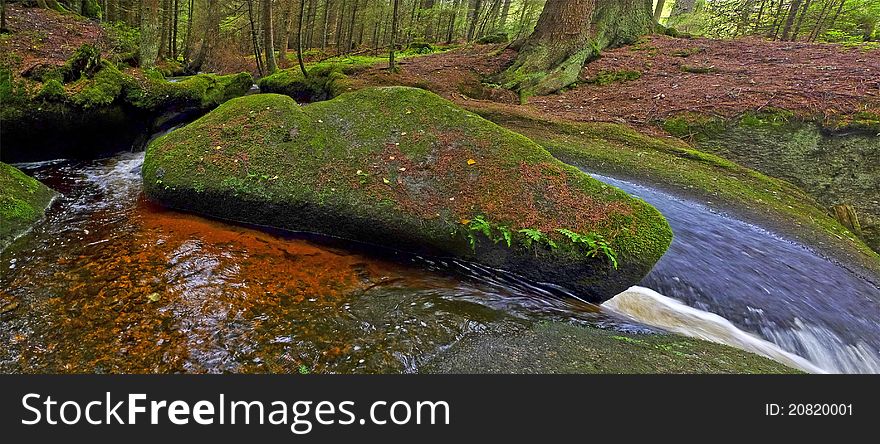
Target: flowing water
[763, 284]
[111, 283]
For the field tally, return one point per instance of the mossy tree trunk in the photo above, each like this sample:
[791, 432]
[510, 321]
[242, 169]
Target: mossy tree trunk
[150, 33]
[568, 33]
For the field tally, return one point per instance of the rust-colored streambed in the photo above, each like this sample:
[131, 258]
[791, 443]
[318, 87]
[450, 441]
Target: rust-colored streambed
[112, 283]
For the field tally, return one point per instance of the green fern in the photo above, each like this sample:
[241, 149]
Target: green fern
[532, 236]
[480, 224]
[506, 235]
[594, 243]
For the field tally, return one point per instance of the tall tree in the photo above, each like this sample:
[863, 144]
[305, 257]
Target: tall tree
[150, 33]
[395, 18]
[505, 11]
[568, 33]
[299, 39]
[2, 15]
[268, 37]
[473, 18]
[658, 11]
[789, 21]
[797, 27]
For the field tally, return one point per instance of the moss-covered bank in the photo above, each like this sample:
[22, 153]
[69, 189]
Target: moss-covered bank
[23, 200]
[88, 106]
[403, 168]
[671, 164]
[837, 162]
[556, 347]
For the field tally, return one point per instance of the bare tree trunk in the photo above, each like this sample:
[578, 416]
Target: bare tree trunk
[150, 33]
[450, 30]
[255, 41]
[658, 11]
[284, 39]
[325, 23]
[429, 28]
[2, 15]
[268, 37]
[394, 19]
[505, 12]
[792, 14]
[797, 27]
[473, 17]
[174, 26]
[340, 20]
[187, 45]
[299, 39]
[310, 24]
[822, 16]
[350, 37]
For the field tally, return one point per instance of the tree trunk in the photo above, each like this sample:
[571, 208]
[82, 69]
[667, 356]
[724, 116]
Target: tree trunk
[255, 41]
[819, 20]
[340, 19]
[797, 27]
[429, 28]
[174, 25]
[658, 11]
[150, 33]
[505, 12]
[284, 38]
[350, 38]
[187, 41]
[325, 23]
[450, 30]
[789, 22]
[2, 15]
[268, 37]
[473, 17]
[211, 35]
[394, 19]
[568, 33]
[299, 39]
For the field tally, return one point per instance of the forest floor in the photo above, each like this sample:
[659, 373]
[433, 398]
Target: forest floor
[675, 75]
[44, 37]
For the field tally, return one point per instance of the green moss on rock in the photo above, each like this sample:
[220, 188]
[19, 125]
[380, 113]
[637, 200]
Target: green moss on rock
[100, 109]
[22, 202]
[835, 161]
[674, 165]
[324, 82]
[405, 169]
[555, 347]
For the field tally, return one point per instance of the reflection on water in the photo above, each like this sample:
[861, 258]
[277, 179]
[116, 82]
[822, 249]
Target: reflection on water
[111, 283]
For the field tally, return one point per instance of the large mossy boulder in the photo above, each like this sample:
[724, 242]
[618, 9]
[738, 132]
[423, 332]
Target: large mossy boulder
[405, 169]
[23, 200]
[88, 107]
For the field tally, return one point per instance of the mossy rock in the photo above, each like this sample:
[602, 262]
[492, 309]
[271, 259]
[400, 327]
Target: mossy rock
[556, 347]
[324, 82]
[405, 169]
[696, 173]
[498, 37]
[103, 110]
[836, 162]
[23, 200]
